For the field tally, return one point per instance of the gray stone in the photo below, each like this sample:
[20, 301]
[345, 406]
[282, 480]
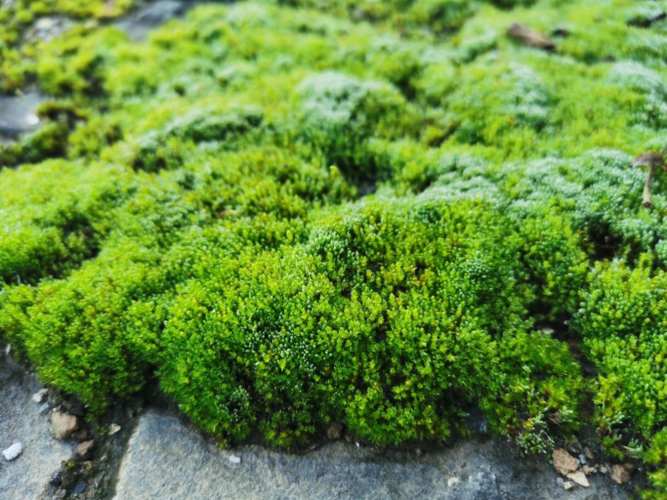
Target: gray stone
[168, 460]
[138, 25]
[47, 28]
[13, 452]
[18, 115]
[20, 420]
[80, 487]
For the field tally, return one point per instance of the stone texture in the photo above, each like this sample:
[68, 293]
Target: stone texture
[564, 463]
[18, 115]
[20, 421]
[63, 425]
[167, 460]
[579, 478]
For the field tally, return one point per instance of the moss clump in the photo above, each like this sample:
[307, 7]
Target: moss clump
[327, 330]
[19, 17]
[622, 319]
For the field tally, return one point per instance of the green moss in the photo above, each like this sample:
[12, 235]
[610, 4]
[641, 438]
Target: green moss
[17, 17]
[191, 208]
[622, 319]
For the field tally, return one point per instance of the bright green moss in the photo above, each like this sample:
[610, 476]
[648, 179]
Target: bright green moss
[329, 330]
[656, 456]
[202, 220]
[622, 319]
[18, 17]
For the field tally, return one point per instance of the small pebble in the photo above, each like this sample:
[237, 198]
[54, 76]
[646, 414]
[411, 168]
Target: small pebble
[560, 481]
[79, 488]
[589, 453]
[582, 459]
[40, 396]
[56, 479]
[13, 452]
[588, 470]
[234, 459]
[568, 485]
[45, 23]
[113, 429]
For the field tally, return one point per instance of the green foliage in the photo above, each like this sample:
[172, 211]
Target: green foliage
[190, 209]
[19, 17]
[622, 319]
[390, 319]
[341, 113]
[657, 457]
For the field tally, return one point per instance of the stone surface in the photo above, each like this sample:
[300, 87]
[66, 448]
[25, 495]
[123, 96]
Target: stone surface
[63, 425]
[564, 463]
[18, 115]
[137, 26]
[21, 421]
[579, 478]
[167, 460]
[47, 28]
[13, 452]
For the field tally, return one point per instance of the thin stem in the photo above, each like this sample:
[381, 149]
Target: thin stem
[647, 188]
